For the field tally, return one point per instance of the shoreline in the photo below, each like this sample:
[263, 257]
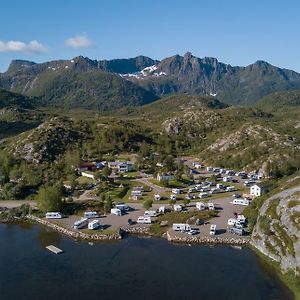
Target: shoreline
[138, 231]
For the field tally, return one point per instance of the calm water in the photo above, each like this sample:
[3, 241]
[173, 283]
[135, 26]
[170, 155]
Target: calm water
[135, 268]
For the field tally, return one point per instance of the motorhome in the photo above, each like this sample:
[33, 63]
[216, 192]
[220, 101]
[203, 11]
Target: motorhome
[181, 227]
[192, 190]
[203, 195]
[143, 220]
[116, 212]
[53, 215]
[200, 206]
[211, 206]
[94, 224]
[176, 191]
[91, 214]
[81, 223]
[239, 201]
[150, 213]
[213, 229]
[122, 207]
[231, 222]
[205, 189]
[177, 207]
[249, 182]
[241, 219]
[215, 191]
[209, 169]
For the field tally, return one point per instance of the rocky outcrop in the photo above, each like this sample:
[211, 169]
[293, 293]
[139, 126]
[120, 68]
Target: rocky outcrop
[208, 240]
[277, 232]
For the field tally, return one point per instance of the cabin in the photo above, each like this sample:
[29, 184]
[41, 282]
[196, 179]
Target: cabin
[121, 167]
[258, 189]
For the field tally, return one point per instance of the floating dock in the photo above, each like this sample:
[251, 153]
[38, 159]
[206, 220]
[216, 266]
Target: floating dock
[54, 249]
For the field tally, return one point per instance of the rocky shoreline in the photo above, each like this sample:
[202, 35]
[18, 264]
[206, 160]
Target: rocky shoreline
[138, 231]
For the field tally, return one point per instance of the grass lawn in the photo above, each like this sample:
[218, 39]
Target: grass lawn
[85, 180]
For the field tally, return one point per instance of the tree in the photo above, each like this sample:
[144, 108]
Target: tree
[186, 201]
[147, 204]
[108, 204]
[49, 198]
[106, 170]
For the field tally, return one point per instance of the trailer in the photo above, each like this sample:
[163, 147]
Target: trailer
[161, 209]
[116, 212]
[80, 223]
[203, 195]
[181, 227]
[94, 224]
[243, 202]
[213, 229]
[144, 220]
[91, 214]
[200, 206]
[211, 206]
[53, 215]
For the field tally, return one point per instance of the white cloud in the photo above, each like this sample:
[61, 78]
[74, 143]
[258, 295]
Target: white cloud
[79, 41]
[18, 46]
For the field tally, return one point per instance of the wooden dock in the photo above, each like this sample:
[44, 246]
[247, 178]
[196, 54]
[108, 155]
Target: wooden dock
[54, 249]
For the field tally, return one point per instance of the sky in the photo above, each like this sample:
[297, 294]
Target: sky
[238, 32]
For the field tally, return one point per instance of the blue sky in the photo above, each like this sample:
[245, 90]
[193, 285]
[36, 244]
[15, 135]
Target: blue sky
[235, 32]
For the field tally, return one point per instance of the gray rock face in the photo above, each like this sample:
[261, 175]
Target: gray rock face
[277, 232]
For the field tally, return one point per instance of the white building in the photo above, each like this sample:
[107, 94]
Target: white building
[258, 189]
[164, 176]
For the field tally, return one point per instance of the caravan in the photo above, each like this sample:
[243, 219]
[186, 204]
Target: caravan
[213, 229]
[122, 207]
[53, 215]
[176, 191]
[91, 214]
[94, 225]
[116, 212]
[200, 206]
[177, 208]
[156, 197]
[150, 213]
[181, 227]
[144, 220]
[211, 206]
[243, 202]
[81, 223]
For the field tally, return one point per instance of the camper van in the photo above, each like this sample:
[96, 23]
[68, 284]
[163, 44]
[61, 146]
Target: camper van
[215, 191]
[150, 213]
[81, 223]
[211, 206]
[91, 214]
[200, 206]
[177, 207]
[241, 219]
[205, 189]
[227, 179]
[249, 182]
[243, 202]
[181, 227]
[144, 220]
[230, 189]
[213, 229]
[116, 212]
[94, 224]
[122, 207]
[53, 215]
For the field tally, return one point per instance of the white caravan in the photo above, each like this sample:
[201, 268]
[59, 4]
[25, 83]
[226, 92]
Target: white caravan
[177, 207]
[122, 207]
[53, 215]
[211, 206]
[203, 195]
[91, 214]
[116, 212]
[176, 191]
[143, 220]
[81, 223]
[150, 213]
[200, 206]
[181, 227]
[213, 229]
[243, 202]
[94, 224]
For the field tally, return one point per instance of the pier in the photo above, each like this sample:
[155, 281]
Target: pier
[54, 249]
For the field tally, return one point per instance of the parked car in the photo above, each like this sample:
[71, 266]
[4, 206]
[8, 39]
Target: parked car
[130, 222]
[193, 232]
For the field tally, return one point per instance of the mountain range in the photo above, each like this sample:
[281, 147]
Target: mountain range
[112, 84]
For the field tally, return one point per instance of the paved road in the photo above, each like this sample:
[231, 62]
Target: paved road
[16, 203]
[156, 188]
